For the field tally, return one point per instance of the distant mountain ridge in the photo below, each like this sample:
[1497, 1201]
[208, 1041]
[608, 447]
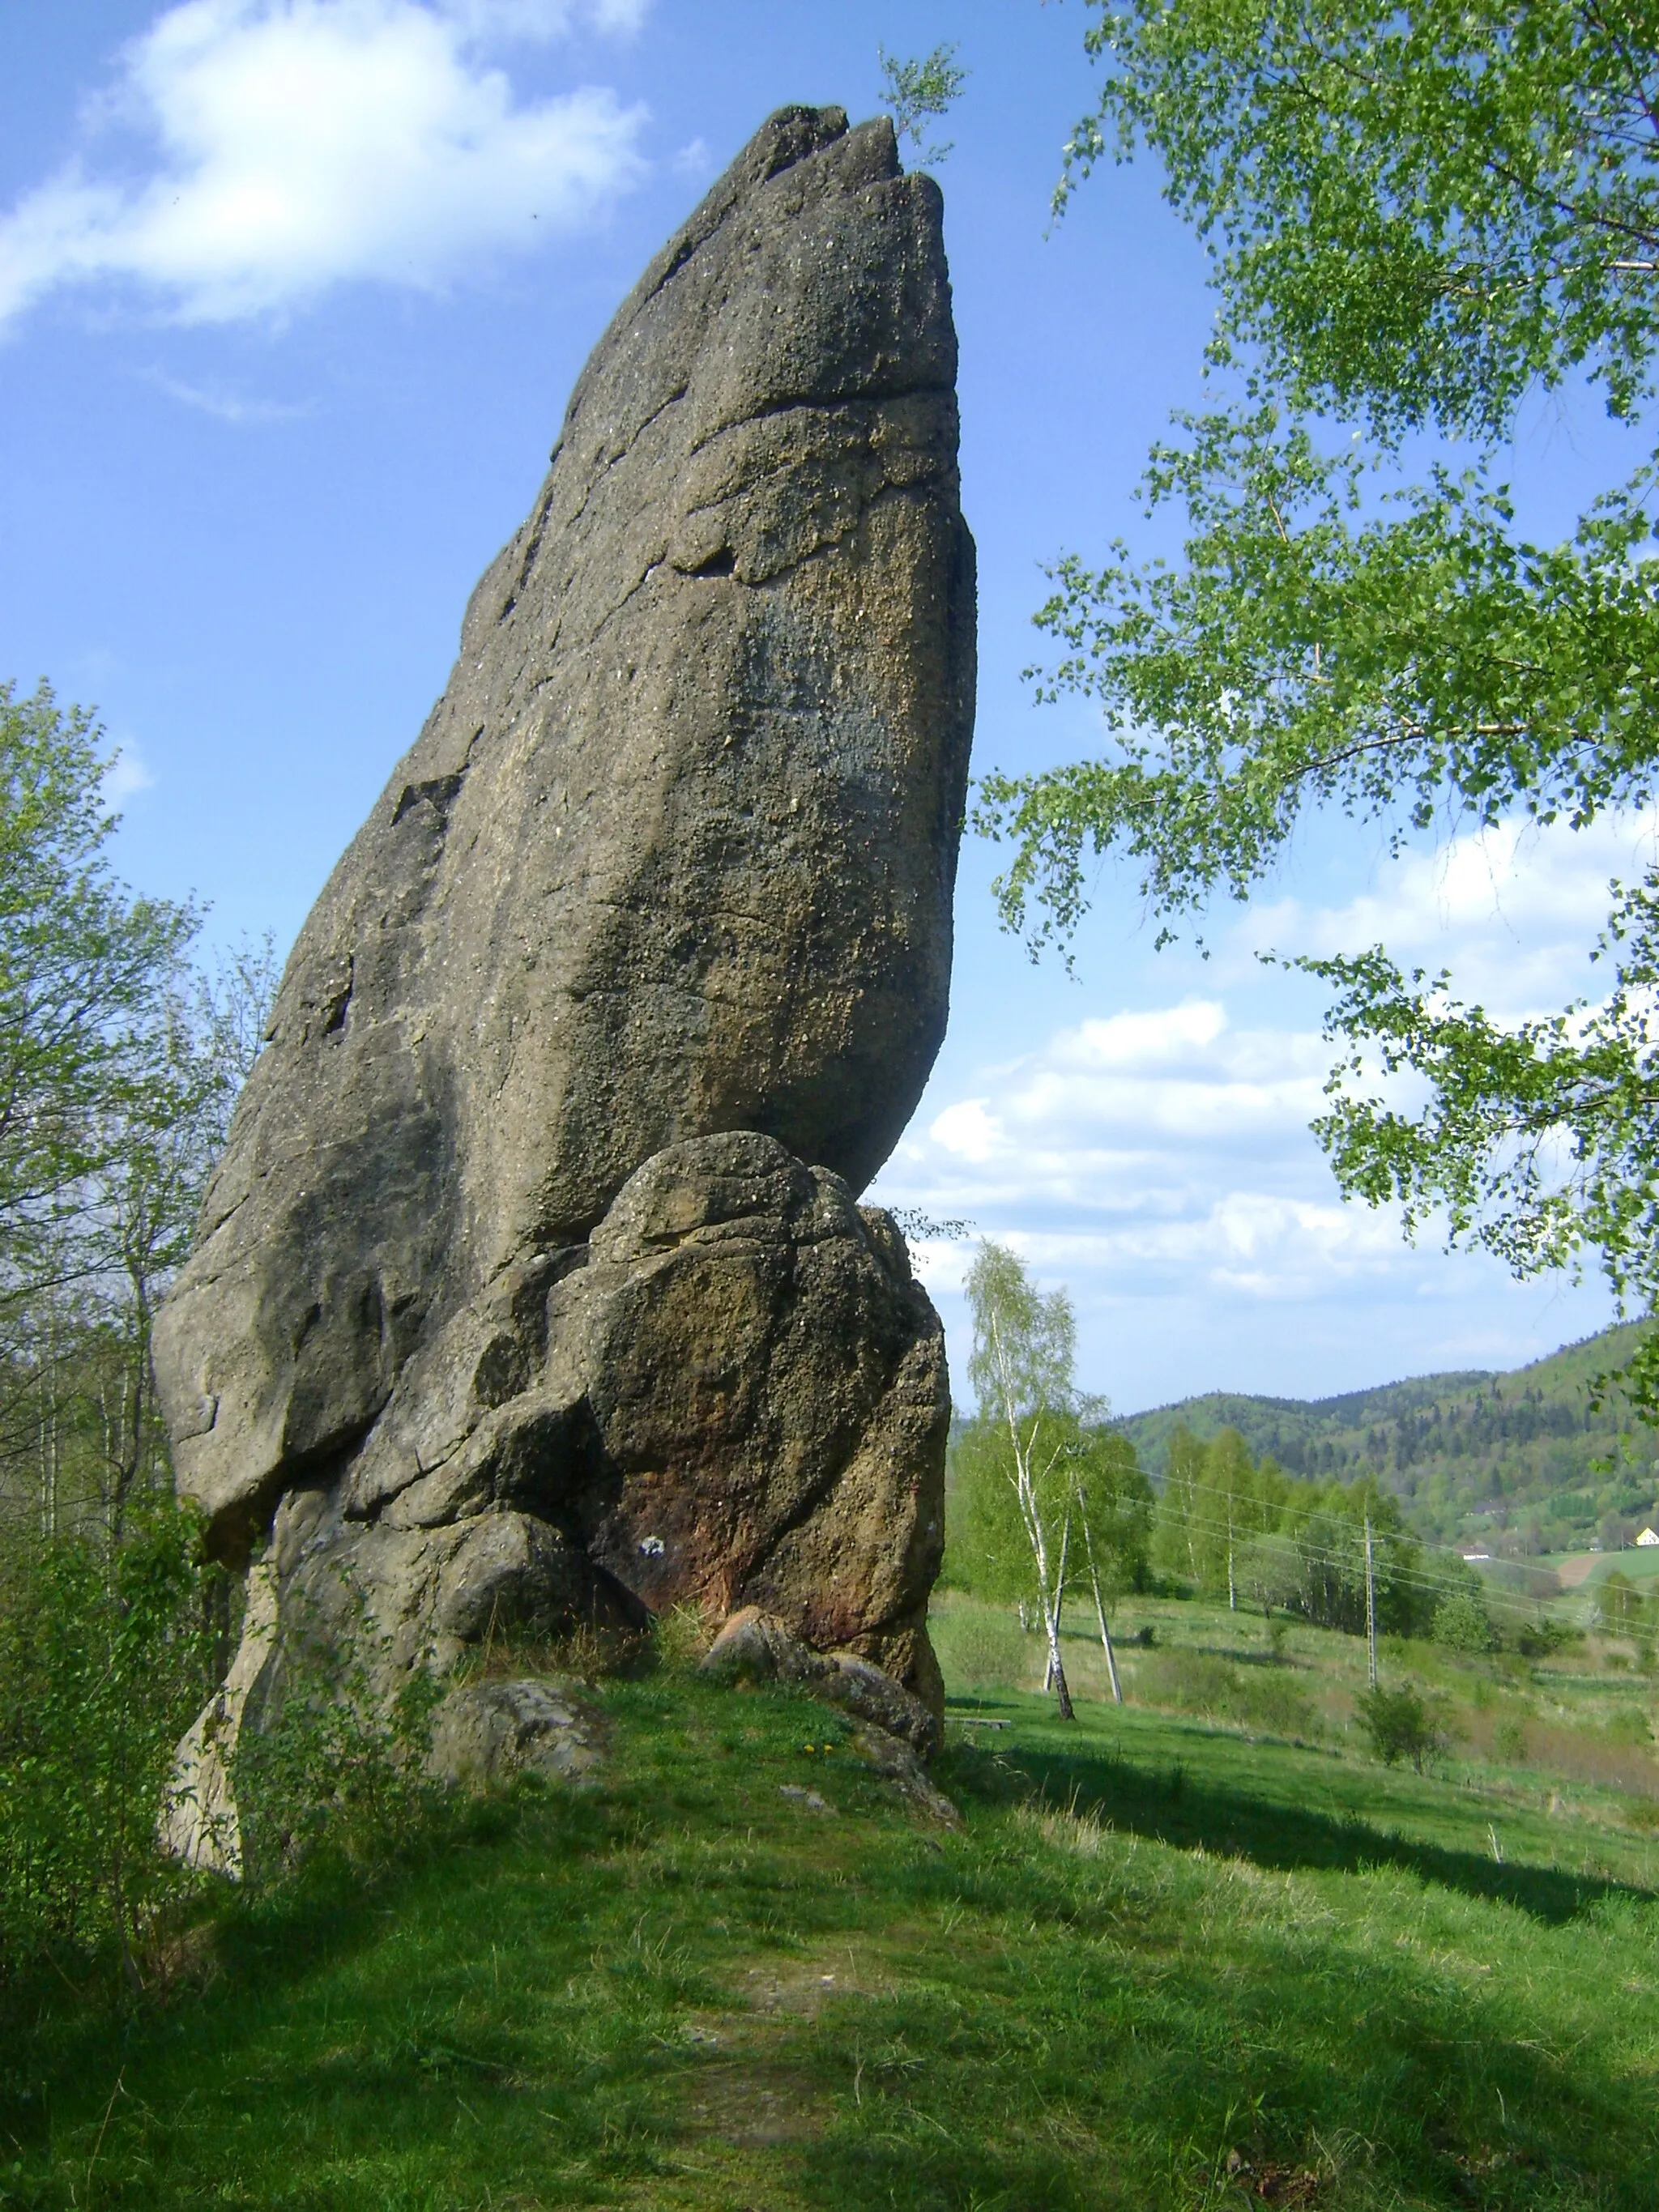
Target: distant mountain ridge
[1520, 1458]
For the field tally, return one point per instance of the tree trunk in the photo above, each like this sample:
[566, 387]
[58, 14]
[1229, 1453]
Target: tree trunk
[1057, 1671]
[1055, 1679]
[1105, 1636]
[1232, 1593]
[1100, 1610]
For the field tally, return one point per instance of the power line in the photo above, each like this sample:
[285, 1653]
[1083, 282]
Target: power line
[1349, 1565]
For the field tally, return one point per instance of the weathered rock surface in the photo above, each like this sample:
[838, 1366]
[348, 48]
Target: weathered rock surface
[199, 1824]
[488, 1734]
[673, 856]
[896, 1762]
[734, 1396]
[753, 1647]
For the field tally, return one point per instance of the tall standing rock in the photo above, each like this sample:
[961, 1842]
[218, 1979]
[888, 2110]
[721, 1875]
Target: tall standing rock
[673, 855]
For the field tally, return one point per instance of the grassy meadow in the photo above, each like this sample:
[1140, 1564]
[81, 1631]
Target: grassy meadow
[1200, 1950]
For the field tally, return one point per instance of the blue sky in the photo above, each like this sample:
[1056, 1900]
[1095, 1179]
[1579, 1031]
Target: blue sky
[292, 294]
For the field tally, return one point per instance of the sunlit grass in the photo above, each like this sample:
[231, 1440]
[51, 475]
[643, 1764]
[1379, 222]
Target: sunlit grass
[1163, 1964]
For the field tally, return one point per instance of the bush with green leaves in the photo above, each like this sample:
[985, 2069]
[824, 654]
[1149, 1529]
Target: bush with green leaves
[1460, 1623]
[323, 1765]
[1401, 1724]
[120, 1062]
[107, 1653]
[1624, 1609]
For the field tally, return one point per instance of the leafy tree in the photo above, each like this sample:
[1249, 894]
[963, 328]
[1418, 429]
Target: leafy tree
[1461, 1623]
[1217, 1503]
[79, 963]
[1270, 1572]
[915, 90]
[1180, 1507]
[119, 1063]
[1234, 1503]
[1020, 1464]
[105, 1657]
[1112, 1501]
[1327, 1527]
[1619, 1604]
[1417, 216]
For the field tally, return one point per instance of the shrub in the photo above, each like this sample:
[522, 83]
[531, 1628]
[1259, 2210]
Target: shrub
[1508, 1742]
[325, 1766]
[1460, 1623]
[105, 1656]
[1541, 1638]
[1629, 1726]
[1400, 1724]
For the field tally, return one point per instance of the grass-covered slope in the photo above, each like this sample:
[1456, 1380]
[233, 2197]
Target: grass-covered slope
[1469, 1454]
[1160, 1964]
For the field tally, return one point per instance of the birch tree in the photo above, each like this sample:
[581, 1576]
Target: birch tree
[1114, 1504]
[1423, 217]
[1021, 1369]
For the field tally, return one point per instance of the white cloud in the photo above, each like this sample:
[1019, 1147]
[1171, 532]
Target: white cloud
[227, 407]
[291, 144]
[128, 772]
[968, 1130]
[1512, 911]
[1170, 1143]
[543, 19]
[1159, 1164]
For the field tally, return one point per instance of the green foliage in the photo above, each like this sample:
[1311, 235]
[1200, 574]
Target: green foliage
[989, 1552]
[1247, 1988]
[1046, 1498]
[1239, 1528]
[1400, 1724]
[1625, 1610]
[119, 1064]
[78, 962]
[979, 1649]
[106, 1651]
[1415, 216]
[1460, 1623]
[323, 1768]
[1448, 1445]
[916, 90]
[1328, 1528]
[1219, 1506]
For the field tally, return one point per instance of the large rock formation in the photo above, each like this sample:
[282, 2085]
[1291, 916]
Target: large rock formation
[732, 1394]
[672, 858]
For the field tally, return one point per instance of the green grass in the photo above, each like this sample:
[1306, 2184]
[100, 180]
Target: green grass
[1569, 1736]
[1161, 1964]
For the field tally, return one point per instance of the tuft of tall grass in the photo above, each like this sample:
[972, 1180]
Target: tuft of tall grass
[1187, 1681]
[981, 1648]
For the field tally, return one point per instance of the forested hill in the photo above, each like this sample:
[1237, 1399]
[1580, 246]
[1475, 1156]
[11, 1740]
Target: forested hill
[1522, 1457]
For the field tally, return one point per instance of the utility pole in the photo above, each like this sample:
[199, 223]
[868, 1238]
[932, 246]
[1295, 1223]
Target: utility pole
[1371, 1608]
